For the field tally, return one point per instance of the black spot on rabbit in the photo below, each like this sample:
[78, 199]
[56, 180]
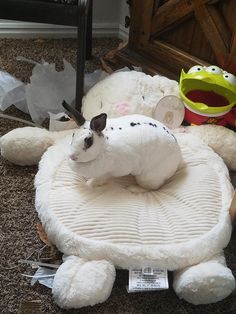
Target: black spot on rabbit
[152, 124]
[174, 137]
[166, 130]
[133, 124]
[88, 142]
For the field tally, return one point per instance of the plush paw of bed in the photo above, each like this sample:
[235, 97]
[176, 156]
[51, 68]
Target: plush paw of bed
[220, 139]
[25, 146]
[95, 182]
[134, 188]
[204, 283]
[81, 283]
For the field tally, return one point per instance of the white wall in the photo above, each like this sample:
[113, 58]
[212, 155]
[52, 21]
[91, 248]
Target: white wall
[108, 20]
[106, 11]
[124, 10]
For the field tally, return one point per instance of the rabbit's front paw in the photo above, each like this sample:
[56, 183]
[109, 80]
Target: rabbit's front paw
[136, 189]
[94, 182]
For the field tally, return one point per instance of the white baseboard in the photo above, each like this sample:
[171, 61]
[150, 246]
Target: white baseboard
[9, 29]
[105, 29]
[123, 32]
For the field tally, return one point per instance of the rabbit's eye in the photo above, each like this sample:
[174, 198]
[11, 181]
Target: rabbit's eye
[88, 142]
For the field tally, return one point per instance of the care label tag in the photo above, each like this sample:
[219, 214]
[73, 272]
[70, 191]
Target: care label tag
[147, 279]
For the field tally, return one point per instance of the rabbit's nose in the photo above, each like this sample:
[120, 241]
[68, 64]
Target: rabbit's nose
[73, 157]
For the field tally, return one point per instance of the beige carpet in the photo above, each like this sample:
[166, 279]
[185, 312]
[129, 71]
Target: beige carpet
[18, 238]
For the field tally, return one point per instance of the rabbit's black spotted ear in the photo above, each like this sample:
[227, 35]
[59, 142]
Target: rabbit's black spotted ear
[98, 123]
[76, 115]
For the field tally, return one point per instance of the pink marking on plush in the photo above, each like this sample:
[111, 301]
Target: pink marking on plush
[123, 107]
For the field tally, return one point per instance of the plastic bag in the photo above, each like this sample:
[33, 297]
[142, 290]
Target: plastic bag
[44, 276]
[12, 91]
[48, 88]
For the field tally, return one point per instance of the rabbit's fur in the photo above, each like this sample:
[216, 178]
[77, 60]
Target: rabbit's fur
[133, 144]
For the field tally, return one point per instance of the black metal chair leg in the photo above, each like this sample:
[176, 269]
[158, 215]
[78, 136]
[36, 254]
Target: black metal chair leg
[81, 53]
[89, 31]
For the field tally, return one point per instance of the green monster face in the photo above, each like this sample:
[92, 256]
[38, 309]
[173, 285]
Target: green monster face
[208, 89]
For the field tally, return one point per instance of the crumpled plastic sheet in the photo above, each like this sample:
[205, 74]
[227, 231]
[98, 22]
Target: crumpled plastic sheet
[48, 88]
[12, 91]
[44, 276]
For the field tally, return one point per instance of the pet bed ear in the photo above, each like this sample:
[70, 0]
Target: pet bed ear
[98, 123]
[76, 115]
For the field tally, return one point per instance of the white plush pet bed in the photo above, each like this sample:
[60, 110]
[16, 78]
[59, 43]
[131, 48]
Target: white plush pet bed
[186, 222]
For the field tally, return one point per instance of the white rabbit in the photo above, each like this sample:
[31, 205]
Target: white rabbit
[134, 144]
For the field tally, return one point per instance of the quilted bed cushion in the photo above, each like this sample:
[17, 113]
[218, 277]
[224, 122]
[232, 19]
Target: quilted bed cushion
[184, 222]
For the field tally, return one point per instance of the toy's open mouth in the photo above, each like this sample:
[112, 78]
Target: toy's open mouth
[206, 96]
[209, 98]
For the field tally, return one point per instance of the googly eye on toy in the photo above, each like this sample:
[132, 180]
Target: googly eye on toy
[209, 95]
[196, 69]
[212, 69]
[230, 78]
